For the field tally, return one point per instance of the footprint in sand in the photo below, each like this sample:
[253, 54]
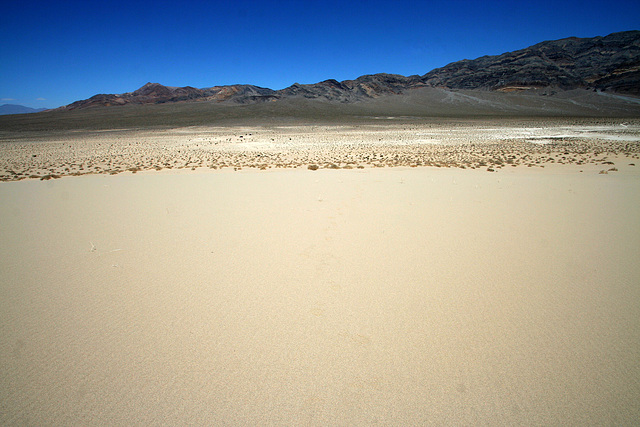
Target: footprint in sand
[361, 340]
[318, 312]
[18, 349]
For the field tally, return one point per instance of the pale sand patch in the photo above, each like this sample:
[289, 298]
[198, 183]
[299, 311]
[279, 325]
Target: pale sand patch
[395, 296]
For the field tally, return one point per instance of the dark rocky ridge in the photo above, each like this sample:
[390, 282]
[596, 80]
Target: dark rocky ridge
[610, 63]
[368, 86]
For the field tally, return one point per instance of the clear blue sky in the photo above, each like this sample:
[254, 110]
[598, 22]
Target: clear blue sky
[55, 52]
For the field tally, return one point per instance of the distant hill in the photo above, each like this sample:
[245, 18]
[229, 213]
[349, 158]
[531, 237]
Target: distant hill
[18, 109]
[610, 63]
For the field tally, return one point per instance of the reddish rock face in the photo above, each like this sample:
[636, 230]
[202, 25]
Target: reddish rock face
[155, 93]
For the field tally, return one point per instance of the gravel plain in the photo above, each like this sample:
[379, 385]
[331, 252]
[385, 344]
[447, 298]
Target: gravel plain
[381, 142]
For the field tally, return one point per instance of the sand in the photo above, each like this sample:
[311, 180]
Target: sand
[393, 296]
[285, 296]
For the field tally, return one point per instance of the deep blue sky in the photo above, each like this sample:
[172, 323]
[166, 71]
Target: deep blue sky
[55, 52]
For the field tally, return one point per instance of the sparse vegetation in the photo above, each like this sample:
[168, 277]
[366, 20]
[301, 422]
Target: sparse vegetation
[48, 177]
[331, 146]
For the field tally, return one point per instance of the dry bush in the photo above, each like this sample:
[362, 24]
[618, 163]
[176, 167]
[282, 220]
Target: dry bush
[48, 177]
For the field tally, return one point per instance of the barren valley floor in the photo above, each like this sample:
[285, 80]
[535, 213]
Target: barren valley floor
[355, 294]
[385, 142]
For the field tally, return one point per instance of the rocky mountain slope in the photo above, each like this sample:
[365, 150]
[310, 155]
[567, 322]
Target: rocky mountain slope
[610, 63]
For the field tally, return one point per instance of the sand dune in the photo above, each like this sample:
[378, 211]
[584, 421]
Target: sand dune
[399, 296]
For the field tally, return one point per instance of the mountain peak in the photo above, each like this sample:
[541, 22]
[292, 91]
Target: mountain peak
[152, 89]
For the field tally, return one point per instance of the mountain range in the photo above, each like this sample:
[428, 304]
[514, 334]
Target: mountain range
[610, 64]
[18, 109]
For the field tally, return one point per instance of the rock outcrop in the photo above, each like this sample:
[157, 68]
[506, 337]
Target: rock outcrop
[610, 63]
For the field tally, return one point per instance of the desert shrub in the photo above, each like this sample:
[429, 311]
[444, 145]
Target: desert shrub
[48, 177]
[313, 167]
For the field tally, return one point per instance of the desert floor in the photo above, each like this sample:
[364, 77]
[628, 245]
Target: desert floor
[382, 142]
[402, 295]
